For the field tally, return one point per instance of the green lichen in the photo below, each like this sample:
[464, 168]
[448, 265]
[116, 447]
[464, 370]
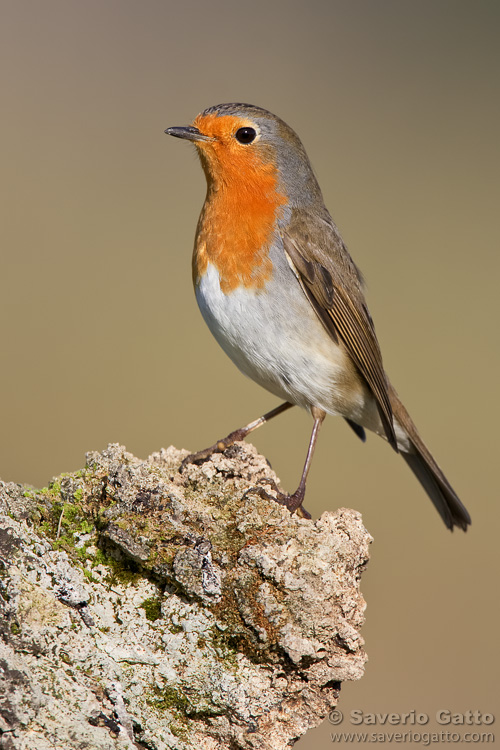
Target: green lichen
[124, 572]
[152, 608]
[177, 702]
[169, 699]
[179, 731]
[227, 646]
[71, 507]
[55, 487]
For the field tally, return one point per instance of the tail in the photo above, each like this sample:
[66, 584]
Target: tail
[428, 473]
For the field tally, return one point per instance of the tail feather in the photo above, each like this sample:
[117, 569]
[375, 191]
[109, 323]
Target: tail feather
[442, 494]
[428, 473]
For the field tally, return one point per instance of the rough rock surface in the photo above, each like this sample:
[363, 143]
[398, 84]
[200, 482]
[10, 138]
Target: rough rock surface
[145, 608]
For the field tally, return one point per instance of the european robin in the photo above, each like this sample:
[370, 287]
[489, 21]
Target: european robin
[283, 297]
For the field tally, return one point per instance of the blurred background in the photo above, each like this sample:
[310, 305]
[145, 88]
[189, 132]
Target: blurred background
[101, 340]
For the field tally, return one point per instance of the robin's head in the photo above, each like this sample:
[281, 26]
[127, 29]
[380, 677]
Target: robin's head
[241, 142]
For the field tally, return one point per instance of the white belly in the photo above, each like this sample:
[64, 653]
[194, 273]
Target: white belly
[282, 346]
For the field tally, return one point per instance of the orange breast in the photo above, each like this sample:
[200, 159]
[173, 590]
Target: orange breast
[236, 225]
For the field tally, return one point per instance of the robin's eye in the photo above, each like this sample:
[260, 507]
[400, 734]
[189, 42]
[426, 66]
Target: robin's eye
[245, 135]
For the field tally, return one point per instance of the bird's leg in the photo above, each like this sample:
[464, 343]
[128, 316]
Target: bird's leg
[294, 502]
[221, 445]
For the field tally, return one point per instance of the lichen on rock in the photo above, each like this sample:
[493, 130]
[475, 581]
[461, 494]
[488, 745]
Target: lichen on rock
[147, 608]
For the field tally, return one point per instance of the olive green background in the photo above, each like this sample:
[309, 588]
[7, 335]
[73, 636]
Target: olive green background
[101, 341]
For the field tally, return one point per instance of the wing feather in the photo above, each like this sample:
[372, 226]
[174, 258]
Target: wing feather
[332, 283]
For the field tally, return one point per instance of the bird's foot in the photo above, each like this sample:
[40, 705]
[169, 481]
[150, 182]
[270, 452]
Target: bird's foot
[292, 502]
[218, 447]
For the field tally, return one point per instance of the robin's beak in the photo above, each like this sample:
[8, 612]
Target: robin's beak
[189, 133]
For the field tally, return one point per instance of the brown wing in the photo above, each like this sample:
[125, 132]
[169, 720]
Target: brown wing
[332, 283]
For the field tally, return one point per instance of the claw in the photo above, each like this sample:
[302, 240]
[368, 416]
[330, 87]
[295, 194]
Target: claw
[193, 458]
[292, 502]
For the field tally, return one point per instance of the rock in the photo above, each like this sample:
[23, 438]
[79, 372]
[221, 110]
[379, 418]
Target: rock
[145, 608]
